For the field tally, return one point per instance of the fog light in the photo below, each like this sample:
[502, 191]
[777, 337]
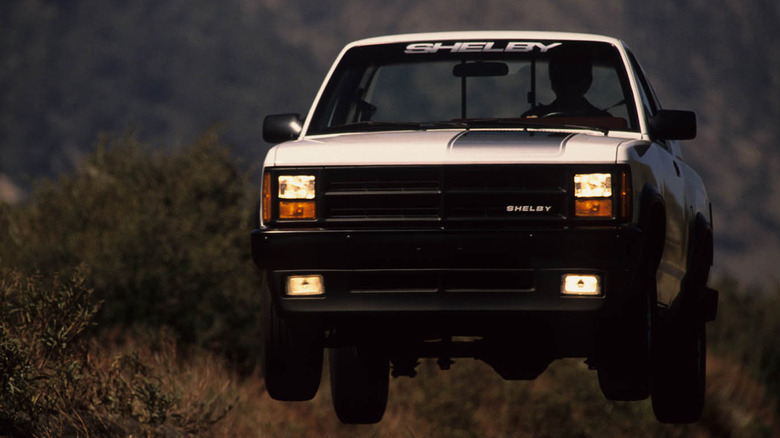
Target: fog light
[305, 285]
[581, 285]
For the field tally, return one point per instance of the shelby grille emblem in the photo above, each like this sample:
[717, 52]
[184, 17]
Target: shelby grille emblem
[528, 208]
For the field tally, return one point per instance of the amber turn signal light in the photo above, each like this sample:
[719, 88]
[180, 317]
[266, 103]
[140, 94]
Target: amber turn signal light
[593, 207]
[297, 210]
[266, 205]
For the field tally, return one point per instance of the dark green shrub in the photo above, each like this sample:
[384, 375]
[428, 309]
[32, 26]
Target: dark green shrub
[165, 235]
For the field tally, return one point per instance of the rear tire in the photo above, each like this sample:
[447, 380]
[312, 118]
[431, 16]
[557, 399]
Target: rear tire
[292, 355]
[359, 384]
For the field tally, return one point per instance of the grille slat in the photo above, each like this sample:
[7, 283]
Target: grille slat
[366, 192]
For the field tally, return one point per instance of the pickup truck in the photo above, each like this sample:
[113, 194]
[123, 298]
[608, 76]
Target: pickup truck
[514, 197]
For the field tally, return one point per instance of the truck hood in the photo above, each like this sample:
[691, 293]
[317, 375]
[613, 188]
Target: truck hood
[446, 147]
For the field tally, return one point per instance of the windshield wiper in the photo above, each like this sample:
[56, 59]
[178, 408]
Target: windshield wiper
[521, 123]
[371, 125]
[443, 124]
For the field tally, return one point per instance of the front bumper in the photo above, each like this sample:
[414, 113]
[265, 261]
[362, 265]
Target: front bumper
[419, 272]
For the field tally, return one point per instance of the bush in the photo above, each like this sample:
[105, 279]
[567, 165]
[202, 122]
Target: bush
[165, 236]
[40, 326]
[56, 382]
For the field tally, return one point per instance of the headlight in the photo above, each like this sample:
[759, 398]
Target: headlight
[592, 185]
[296, 186]
[593, 193]
[296, 197]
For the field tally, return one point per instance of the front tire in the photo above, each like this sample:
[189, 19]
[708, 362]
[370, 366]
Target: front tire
[624, 372]
[292, 354]
[359, 384]
[625, 365]
[679, 376]
[680, 353]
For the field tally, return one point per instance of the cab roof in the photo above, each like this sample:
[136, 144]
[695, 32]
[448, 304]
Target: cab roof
[477, 35]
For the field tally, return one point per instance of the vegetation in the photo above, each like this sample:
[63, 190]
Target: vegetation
[164, 235]
[41, 322]
[127, 305]
[173, 68]
[55, 381]
[748, 331]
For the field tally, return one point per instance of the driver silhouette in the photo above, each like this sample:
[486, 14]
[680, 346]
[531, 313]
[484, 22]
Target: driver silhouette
[571, 74]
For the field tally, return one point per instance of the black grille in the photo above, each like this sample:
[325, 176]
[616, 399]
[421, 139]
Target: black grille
[444, 196]
[395, 194]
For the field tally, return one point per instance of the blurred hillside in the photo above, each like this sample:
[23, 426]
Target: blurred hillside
[169, 70]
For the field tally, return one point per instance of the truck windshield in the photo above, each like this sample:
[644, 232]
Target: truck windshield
[502, 83]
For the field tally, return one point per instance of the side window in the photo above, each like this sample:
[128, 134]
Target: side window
[649, 99]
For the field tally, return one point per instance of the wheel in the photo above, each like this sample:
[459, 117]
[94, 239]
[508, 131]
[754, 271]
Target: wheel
[624, 363]
[679, 371]
[621, 384]
[358, 384]
[292, 355]
[624, 372]
[680, 347]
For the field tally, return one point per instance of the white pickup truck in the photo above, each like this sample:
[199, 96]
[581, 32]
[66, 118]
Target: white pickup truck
[515, 197]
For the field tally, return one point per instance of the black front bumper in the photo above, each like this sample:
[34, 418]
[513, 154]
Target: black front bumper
[423, 272]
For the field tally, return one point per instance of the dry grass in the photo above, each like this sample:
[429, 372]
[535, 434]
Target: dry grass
[173, 393]
[738, 404]
[472, 401]
[147, 385]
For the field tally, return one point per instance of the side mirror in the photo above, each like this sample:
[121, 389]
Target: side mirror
[279, 128]
[673, 125]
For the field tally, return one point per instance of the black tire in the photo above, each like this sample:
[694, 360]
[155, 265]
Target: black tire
[623, 384]
[624, 372]
[624, 364]
[358, 384]
[292, 355]
[680, 356]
